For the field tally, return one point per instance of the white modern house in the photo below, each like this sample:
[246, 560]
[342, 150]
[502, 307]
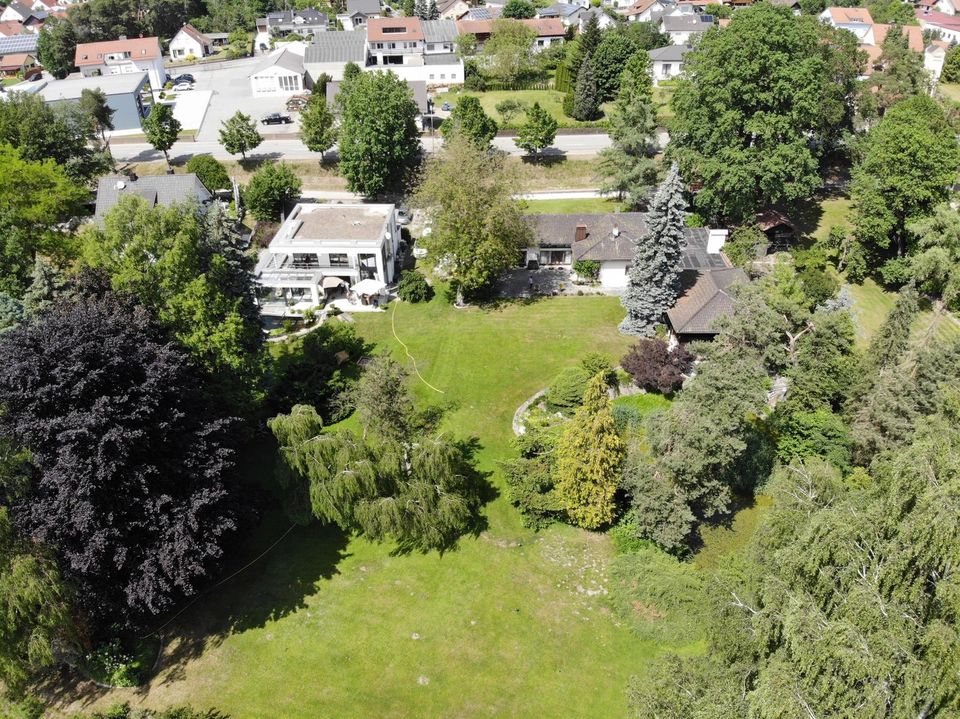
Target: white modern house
[122, 56]
[190, 42]
[357, 13]
[684, 29]
[855, 19]
[280, 73]
[321, 249]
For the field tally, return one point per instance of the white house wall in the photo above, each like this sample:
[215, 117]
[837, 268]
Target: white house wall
[276, 81]
[613, 274]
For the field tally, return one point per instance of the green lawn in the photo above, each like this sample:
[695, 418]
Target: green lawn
[645, 403]
[872, 304]
[550, 100]
[502, 626]
[662, 96]
[951, 91]
[572, 206]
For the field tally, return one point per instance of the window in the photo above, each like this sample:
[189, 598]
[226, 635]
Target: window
[539, 43]
[430, 46]
[289, 83]
[555, 257]
[339, 260]
[453, 76]
[379, 46]
[443, 76]
[391, 46]
[431, 76]
[666, 69]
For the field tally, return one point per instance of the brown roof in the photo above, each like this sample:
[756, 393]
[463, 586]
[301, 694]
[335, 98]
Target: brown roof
[381, 29]
[11, 28]
[140, 48]
[847, 15]
[768, 219]
[705, 297]
[15, 61]
[543, 26]
[639, 7]
[191, 31]
[914, 35]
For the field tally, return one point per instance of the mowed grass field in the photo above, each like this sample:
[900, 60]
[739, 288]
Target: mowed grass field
[550, 100]
[511, 623]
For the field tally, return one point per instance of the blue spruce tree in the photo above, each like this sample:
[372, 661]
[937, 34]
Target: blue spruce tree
[655, 271]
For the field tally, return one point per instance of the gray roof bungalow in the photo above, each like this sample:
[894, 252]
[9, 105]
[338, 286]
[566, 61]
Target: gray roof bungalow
[357, 13]
[163, 190]
[128, 94]
[666, 63]
[330, 52]
[608, 240]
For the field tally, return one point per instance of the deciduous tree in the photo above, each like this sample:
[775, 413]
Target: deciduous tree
[379, 141]
[477, 221]
[538, 132]
[271, 187]
[470, 122]
[129, 487]
[317, 125]
[162, 129]
[240, 134]
[56, 46]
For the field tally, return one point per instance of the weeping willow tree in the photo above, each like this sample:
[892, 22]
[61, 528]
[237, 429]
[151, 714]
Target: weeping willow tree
[418, 491]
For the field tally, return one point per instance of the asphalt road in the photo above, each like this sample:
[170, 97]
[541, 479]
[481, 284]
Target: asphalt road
[294, 149]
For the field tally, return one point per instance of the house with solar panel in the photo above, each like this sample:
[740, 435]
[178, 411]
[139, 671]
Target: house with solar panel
[608, 239]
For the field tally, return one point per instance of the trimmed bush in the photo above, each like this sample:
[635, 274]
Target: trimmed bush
[413, 287]
[210, 171]
[566, 392]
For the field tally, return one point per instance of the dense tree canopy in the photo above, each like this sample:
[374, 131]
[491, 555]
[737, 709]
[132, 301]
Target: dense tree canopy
[470, 121]
[755, 94]
[129, 487]
[379, 141]
[476, 219]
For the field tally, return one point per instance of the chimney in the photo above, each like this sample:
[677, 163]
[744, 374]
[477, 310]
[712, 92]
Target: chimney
[716, 240]
[581, 233]
[616, 229]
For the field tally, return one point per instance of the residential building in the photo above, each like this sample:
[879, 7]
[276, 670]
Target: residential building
[23, 64]
[16, 12]
[666, 63]
[684, 29]
[320, 246]
[603, 18]
[129, 95]
[414, 49]
[947, 25]
[705, 296]
[948, 7]
[280, 73]
[12, 28]
[395, 41]
[549, 31]
[568, 13]
[122, 56]
[330, 52]
[190, 42]
[933, 58]
[855, 19]
[562, 240]
[306, 23]
[417, 87]
[358, 13]
[484, 12]
[640, 11]
[794, 5]
[156, 190]
[452, 9]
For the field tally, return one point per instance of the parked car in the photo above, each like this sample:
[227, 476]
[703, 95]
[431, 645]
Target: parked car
[276, 118]
[182, 86]
[404, 216]
[186, 77]
[446, 107]
[418, 251]
[297, 103]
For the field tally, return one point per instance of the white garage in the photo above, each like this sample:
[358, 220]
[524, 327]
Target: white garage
[279, 74]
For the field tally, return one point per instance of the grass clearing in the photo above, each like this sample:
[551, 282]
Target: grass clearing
[550, 100]
[719, 540]
[573, 206]
[555, 174]
[949, 90]
[872, 304]
[502, 626]
[645, 403]
[313, 174]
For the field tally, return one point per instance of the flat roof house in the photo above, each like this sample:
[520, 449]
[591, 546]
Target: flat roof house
[129, 95]
[320, 247]
[121, 57]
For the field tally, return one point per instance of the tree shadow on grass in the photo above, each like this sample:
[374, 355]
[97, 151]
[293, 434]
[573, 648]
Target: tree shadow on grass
[270, 588]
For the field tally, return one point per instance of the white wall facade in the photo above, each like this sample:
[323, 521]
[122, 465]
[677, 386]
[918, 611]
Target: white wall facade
[430, 74]
[182, 45]
[613, 274]
[663, 70]
[153, 68]
[276, 81]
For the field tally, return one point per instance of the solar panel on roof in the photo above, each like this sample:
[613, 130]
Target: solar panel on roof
[18, 43]
[706, 18]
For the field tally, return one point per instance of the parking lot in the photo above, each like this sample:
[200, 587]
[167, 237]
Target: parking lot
[230, 88]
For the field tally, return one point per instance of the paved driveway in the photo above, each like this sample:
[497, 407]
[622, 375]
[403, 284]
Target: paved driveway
[230, 88]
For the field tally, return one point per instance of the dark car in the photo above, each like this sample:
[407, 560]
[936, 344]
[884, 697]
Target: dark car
[186, 77]
[276, 118]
